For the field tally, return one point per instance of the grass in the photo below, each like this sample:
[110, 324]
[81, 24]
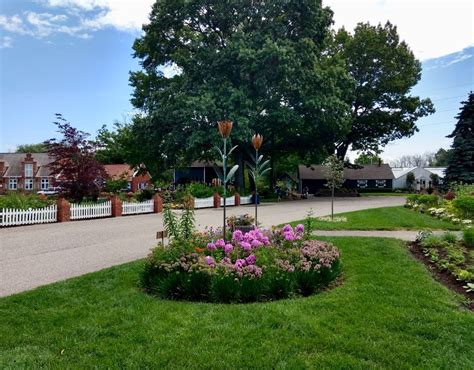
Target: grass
[386, 218]
[388, 313]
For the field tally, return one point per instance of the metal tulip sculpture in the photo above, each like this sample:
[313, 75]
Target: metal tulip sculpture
[258, 168]
[225, 127]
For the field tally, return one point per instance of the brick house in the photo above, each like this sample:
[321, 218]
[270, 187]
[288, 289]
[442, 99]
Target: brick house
[25, 171]
[137, 178]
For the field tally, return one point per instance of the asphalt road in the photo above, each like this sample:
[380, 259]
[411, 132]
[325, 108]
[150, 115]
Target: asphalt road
[31, 256]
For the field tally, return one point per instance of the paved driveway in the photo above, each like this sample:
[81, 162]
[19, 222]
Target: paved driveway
[31, 256]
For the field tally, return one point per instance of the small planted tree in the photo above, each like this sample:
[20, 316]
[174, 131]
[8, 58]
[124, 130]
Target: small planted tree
[73, 163]
[334, 171]
[410, 181]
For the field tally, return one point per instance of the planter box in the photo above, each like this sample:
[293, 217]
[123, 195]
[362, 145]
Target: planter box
[244, 229]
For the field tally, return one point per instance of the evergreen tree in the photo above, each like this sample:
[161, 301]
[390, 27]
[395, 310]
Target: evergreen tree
[461, 159]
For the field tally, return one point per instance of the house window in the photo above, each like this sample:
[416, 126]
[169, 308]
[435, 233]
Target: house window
[13, 184]
[28, 184]
[29, 170]
[44, 184]
[380, 183]
[361, 183]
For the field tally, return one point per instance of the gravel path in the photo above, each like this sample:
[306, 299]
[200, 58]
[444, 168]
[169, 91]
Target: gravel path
[31, 256]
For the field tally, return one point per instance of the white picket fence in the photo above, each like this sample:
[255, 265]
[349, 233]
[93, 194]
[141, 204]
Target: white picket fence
[83, 211]
[230, 201]
[133, 208]
[204, 202]
[246, 200]
[12, 217]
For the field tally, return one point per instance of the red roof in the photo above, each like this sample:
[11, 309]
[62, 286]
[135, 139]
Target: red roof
[116, 171]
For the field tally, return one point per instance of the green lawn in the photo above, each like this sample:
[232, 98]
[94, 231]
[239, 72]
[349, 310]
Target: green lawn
[387, 218]
[391, 194]
[388, 313]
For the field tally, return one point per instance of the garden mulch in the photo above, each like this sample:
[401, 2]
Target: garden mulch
[443, 276]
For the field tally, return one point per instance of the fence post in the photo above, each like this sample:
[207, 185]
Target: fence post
[64, 210]
[237, 199]
[217, 200]
[116, 206]
[157, 204]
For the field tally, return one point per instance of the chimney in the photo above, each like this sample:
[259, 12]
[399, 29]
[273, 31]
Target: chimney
[2, 167]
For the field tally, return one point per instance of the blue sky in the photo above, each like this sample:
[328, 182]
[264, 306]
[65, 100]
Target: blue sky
[73, 57]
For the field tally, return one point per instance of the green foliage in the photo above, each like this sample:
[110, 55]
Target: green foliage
[19, 200]
[368, 158]
[32, 148]
[179, 227]
[464, 206]
[427, 200]
[461, 159]
[200, 190]
[251, 58]
[334, 172]
[144, 194]
[410, 181]
[468, 238]
[115, 186]
[462, 189]
[385, 70]
[440, 158]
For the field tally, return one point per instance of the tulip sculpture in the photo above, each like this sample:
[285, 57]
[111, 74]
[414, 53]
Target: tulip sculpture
[258, 168]
[225, 128]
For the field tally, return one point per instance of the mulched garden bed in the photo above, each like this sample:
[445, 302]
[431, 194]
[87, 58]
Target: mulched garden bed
[443, 276]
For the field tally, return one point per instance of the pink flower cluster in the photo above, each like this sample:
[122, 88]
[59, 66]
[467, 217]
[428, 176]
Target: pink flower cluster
[316, 254]
[243, 267]
[220, 243]
[291, 234]
[250, 240]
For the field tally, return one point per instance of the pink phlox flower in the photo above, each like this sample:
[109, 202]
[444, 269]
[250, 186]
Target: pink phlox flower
[245, 246]
[228, 248]
[287, 228]
[209, 260]
[211, 246]
[256, 243]
[251, 259]
[220, 243]
[289, 236]
[240, 263]
[299, 228]
[237, 235]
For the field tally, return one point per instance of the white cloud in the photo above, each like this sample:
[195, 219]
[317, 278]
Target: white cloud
[6, 42]
[431, 28]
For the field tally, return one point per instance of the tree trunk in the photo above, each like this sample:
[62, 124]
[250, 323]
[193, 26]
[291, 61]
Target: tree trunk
[341, 151]
[239, 175]
[332, 203]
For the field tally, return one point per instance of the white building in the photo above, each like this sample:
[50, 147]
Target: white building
[422, 176]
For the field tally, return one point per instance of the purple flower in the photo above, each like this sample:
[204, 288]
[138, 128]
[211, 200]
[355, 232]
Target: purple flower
[299, 228]
[237, 235]
[287, 228]
[228, 248]
[289, 236]
[256, 243]
[209, 260]
[265, 240]
[220, 243]
[251, 259]
[211, 246]
[240, 263]
[245, 246]
[226, 261]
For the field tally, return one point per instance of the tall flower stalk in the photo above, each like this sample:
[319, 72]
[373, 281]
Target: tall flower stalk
[225, 128]
[258, 169]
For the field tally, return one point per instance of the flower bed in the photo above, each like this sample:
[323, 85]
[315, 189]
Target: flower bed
[259, 265]
[450, 258]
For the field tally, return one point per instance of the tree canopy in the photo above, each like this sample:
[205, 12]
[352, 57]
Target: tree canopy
[368, 158]
[384, 69]
[461, 159]
[78, 173]
[264, 65]
[31, 148]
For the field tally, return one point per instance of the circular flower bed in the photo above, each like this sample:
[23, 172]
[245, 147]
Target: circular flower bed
[259, 265]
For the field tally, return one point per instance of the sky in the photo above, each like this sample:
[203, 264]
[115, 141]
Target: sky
[74, 56]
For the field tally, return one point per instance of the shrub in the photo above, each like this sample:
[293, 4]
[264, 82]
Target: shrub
[464, 206]
[468, 237]
[427, 200]
[19, 200]
[450, 195]
[144, 194]
[253, 266]
[200, 190]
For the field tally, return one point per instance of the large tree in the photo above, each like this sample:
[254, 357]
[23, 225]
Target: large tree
[461, 159]
[31, 148]
[384, 70]
[262, 64]
[73, 163]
